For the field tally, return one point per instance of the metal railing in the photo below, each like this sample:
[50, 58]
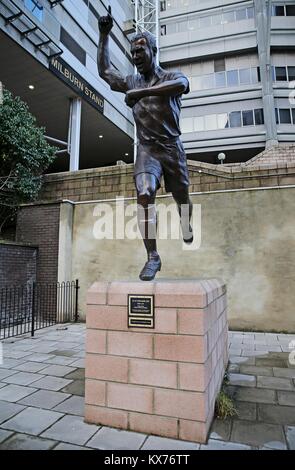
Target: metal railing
[25, 309]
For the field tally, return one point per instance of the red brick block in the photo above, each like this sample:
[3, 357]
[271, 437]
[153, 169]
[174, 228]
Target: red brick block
[150, 424]
[107, 368]
[166, 320]
[153, 373]
[95, 392]
[179, 404]
[106, 317]
[195, 377]
[130, 344]
[180, 348]
[96, 341]
[194, 431]
[130, 397]
[97, 294]
[118, 291]
[106, 417]
[193, 321]
[180, 294]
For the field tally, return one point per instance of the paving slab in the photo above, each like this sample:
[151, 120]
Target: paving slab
[255, 395]
[30, 367]
[64, 446]
[11, 354]
[258, 434]
[6, 373]
[246, 410]
[71, 429]
[25, 442]
[64, 352]
[77, 387]
[241, 360]
[276, 414]
[270, 361]
[10, 363]
[161, 443]
[286, 398]
[256, 370]
[32, 421]
[220, 445]
[290, 436]
[242, 380]
[79, 363]
[62, 360]
[57, 370]
[78, 374]
[46, 399]
[39, 357]
[221, 429]
[284, 372]
[114, 439]
[4, 435]
[275, 383]
[23, 378]
[74, 406]
[7, 410]
[52, 383]
[13, 393]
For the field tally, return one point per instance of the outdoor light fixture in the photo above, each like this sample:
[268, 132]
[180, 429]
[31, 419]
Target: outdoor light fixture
[31, 87]
[221, 157]
[126, 154]
[100, 136]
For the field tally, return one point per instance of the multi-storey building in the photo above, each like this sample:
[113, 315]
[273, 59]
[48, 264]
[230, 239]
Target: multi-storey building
[48, 53]
[240, 59]
[238, 55]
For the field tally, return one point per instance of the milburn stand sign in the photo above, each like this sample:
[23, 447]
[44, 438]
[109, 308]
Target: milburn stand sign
[65, 73]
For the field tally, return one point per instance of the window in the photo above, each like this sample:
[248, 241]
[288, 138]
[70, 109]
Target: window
[72, 46]
[245, 76]
[216, 19]
[187, 125]
[290, 10]
[205, 21]
[35, 7]
[163, 30]
[278, 10]
[220, 80]
[208, 81]
[293, 115]
[228, 17]
[182, 26]
[291, 74]
[250, 12]
[254, 75]
[199, 124]
[210, 122]
[163, 5]
[248, 119]
[285, 116]
[281, 74]
[241, 14]
[235, 119]
[232, 78]
[196, 83]
[222, 121]
[259, 118]
[277, 115]
[219, 65]
[193, 24]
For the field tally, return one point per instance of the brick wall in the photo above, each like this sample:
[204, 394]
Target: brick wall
[273, 167]
[17, 264]
[39, 225]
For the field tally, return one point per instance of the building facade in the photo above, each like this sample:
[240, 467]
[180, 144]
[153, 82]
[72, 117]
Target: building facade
[240, 59]
[48, 52]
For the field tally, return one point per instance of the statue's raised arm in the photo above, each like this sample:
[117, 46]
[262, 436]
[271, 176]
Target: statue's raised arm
[113, 77]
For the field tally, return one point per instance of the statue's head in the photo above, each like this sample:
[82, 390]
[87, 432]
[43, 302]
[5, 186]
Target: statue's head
[144, 51]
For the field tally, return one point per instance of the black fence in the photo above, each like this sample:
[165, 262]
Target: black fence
[25, 309]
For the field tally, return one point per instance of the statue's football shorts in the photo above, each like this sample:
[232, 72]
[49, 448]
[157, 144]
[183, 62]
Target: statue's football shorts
[163, 159]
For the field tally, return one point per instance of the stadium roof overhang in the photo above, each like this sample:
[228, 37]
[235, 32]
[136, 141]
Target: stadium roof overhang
[49, 101]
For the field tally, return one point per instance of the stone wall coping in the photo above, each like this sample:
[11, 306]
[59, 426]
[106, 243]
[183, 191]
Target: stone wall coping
[25, 245]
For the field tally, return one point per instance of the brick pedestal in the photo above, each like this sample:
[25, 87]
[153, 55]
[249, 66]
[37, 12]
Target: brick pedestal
[161, 381]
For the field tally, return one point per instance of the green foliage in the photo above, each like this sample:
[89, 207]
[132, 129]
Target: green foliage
[24, 155]
[224, 407]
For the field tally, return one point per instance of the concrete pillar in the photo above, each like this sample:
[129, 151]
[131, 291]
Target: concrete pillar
[65, 241]
[263, 25]
[75, 133]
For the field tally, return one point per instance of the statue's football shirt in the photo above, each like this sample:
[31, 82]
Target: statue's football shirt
[156, 117]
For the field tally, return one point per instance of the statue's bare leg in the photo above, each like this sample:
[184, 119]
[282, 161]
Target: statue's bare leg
[146, 186]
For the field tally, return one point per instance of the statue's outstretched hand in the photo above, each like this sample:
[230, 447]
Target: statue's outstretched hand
[105, 23]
